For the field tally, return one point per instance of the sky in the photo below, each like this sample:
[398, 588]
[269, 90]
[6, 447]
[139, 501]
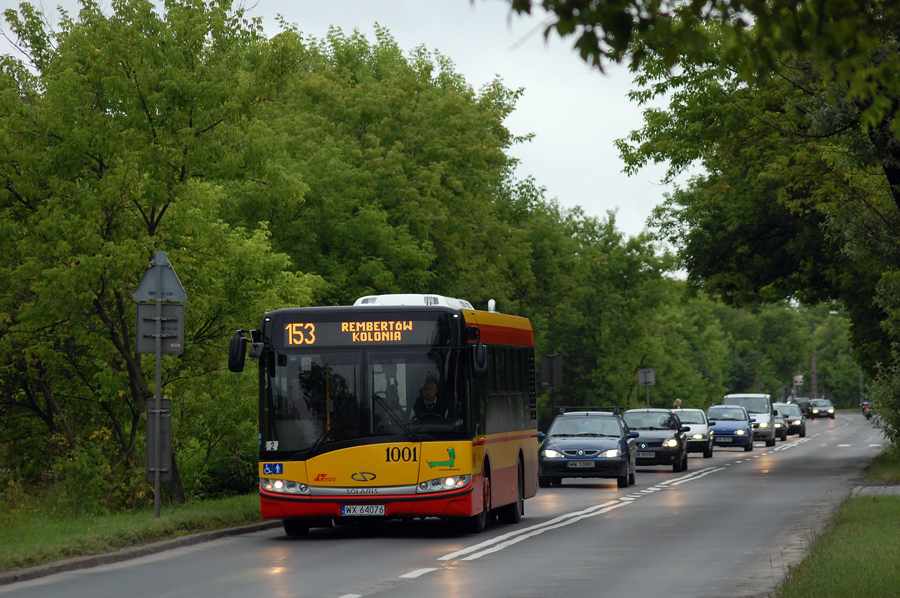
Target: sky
[574, 112]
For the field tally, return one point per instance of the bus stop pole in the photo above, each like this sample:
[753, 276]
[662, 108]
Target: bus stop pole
[156, 416]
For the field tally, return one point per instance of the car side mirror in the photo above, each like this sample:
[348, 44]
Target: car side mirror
[685, 429]
[633, 434]
[752, 420]
[541, 436]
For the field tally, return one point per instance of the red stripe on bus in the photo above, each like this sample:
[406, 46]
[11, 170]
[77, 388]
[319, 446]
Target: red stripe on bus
[502, 335]
[514, 438]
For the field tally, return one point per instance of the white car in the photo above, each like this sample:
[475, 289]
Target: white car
[759, 406]
[699, 439]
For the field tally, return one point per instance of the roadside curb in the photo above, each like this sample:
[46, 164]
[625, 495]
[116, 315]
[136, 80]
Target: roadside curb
[126, 554]
[876, 490]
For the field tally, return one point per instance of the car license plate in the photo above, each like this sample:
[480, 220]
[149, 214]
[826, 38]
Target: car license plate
[646, 455]
[724, 439]
[581, 464]
[362, 510]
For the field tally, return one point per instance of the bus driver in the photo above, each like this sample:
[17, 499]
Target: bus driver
[427, 404]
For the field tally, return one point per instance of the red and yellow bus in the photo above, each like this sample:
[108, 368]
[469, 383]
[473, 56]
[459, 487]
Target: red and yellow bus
[343, 435]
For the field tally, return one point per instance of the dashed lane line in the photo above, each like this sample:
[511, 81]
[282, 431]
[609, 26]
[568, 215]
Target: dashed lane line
[418, 573]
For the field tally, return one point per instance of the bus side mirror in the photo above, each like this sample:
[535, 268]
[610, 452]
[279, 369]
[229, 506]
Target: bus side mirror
[237, 349]
[479, 360]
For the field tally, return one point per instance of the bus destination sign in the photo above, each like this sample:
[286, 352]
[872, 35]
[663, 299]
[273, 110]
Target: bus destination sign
[348, 333]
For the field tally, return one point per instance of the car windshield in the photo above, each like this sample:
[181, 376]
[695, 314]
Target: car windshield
[691, 416]
[820, 403]
[585, 426]
[752, 404]
[791, 410]
[728, 414]
[649, 420]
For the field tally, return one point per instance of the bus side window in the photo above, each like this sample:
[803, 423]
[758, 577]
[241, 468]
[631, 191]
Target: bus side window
[492, 369]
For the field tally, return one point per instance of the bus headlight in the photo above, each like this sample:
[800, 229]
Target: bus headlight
[283, 486]
[443, 484]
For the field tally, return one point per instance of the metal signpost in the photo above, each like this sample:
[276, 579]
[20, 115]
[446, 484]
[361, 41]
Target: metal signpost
[647, 377]
[160, 329]
[552, 376]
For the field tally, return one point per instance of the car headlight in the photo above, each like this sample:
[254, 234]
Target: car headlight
[831, 411]
[611, 453]
[445, 483]
[815, 410]
[551, 454]
[670, 442]
[740, 432]
[697, 436]
[796, 422]
[777, 425]
[763, 424]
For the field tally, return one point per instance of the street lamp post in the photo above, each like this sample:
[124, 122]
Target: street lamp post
[814, 391]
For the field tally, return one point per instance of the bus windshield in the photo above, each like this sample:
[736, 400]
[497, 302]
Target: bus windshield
[330, 399]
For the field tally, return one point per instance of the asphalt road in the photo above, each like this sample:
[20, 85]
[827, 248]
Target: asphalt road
[729, 526]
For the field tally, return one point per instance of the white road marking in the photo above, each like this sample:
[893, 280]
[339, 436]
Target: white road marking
[697, 477]
[844, 445]
[351, 596]
[874, 446]
[506, 540]
[492, 541]
[536, 532]
[418, 573]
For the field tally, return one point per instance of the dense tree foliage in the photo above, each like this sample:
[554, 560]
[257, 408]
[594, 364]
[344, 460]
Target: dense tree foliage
[799, 197]
[844, 38]
[291, 171]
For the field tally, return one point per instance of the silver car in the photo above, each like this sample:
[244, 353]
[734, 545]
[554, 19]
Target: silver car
[699, 439]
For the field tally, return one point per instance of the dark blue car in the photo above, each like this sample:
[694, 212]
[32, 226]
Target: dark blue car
[731, 425]
[662, 440]
[587, 444]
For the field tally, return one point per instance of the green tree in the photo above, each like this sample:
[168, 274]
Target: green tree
[121, 133]
[403, 161]
[854, 41]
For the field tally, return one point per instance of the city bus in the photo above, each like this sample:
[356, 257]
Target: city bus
[397, 407]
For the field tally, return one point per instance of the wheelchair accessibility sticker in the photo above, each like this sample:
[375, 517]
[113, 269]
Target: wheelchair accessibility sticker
[273, 469]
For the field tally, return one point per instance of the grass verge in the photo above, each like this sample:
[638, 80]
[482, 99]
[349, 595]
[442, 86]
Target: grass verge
[857, 554]
[28, 539]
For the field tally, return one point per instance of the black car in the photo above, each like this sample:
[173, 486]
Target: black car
[794, 421]
[802, 403]
[821, 408]
[587, 444]
[661, 440]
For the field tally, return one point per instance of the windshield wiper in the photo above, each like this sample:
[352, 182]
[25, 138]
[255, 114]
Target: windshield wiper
[311, 451]
[390, 412]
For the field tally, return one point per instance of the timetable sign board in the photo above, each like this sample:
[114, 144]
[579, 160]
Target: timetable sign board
[171, 327]
[647, 377]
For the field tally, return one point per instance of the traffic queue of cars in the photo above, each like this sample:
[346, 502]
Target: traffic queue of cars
[610, 442]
